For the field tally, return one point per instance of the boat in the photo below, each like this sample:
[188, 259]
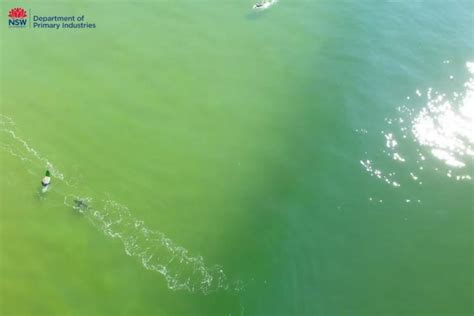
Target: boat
[264, 4]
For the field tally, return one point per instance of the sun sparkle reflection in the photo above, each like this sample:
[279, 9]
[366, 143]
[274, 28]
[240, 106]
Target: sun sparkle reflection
[434, 132]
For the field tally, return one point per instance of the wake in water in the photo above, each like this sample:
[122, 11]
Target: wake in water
[156, 252]
[441, 131]
[20, 149]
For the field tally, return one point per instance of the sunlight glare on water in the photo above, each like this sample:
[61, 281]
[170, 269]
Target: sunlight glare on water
[445, 125]
[442, 128]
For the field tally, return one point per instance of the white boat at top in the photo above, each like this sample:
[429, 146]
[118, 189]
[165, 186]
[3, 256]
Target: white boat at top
[264, 4]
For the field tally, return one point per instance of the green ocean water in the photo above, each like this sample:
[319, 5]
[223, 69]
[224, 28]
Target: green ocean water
[314, 158]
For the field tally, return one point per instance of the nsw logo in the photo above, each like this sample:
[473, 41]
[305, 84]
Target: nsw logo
[17, 17]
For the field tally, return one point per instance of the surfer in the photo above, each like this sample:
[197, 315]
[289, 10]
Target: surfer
[46, 180]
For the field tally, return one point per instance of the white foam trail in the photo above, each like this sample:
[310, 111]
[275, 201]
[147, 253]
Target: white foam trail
[155, 251]
[19, 148]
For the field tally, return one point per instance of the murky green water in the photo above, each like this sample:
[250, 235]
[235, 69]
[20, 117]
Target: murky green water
[313, 158]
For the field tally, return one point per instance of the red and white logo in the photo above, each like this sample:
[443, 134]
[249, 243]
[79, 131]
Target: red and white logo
[17, 17]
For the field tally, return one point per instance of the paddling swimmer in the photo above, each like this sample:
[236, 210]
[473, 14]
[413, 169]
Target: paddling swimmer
[46, 180]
